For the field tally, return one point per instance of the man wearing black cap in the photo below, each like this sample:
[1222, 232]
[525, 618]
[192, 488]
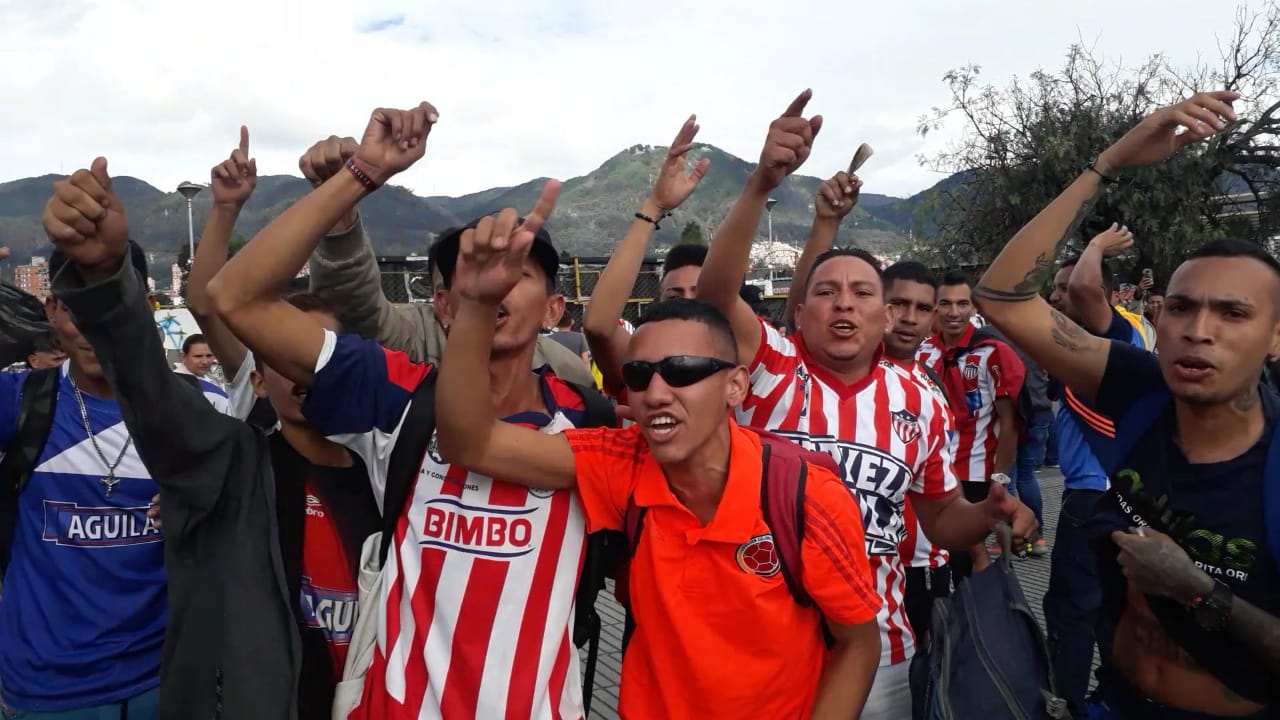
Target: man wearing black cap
[474, 617]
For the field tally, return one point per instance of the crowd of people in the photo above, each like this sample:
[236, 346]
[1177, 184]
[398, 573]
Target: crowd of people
[405, 512]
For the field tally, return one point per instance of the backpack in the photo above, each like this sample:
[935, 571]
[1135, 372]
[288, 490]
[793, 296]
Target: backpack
[784, 473]
[35, 420]
[1024, 403]
[985, 655]
[416, 434]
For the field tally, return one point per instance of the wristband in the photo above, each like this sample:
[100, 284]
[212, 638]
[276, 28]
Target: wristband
[361, 175]
[646, 218]
[1105, 178]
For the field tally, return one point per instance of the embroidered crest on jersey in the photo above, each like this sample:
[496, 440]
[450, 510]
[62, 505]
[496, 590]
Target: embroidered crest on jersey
[500, 532]
[906, 425]
[541, 492]
[68, 524]
[433, 450]
[759, 556]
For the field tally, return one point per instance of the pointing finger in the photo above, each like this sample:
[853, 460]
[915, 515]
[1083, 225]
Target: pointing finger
[687, 132]
[244, 140]
[542, 209]
[796, 108]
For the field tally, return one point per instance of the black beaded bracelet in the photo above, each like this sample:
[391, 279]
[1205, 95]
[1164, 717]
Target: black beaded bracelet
[646, 218]
[360, 175]
[1105, 178]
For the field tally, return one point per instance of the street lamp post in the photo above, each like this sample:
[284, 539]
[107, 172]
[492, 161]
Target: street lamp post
[189, 190]
[768, 206]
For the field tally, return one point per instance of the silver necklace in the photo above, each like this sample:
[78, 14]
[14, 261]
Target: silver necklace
[110, 481]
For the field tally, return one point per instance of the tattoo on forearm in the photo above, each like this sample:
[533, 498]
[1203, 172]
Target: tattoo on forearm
[990, 293]
[1068, 335]
[1031, 282]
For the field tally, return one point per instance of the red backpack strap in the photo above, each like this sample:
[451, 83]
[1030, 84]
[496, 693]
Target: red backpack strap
[782, 481]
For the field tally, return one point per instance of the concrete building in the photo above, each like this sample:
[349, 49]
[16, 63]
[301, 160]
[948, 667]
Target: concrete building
[33, 278]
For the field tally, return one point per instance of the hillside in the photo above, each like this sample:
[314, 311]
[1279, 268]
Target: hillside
[593, 212]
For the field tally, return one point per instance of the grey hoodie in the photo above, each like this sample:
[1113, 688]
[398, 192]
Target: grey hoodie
[231, 647]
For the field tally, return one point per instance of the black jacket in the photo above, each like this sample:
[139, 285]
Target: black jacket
[232, 648]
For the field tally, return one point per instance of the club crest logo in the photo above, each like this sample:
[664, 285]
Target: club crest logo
[433, 450]
[906, 425]
[759, 556]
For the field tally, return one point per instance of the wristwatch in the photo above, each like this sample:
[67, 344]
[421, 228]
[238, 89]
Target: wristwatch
[1001, 479]
[1212, 611]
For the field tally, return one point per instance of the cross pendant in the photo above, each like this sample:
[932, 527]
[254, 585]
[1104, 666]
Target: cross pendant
[109, 482]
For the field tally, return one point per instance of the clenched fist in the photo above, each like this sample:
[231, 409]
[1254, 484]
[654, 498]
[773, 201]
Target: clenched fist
[788, 144]
[394, 140]
[837, 196]
[326, 158]
[85, 219]
[491, 255]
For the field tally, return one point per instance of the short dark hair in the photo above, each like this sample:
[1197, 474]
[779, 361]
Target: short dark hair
[952, 278]
[1235, 247]
[684, 256]
[699, 311]
[46, 342]
[191, 340]
[910, 271]
[565, 322]
[839, 252]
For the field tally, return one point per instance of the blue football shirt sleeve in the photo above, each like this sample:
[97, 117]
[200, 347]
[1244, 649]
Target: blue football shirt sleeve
[360, 387]
[1122, 330]
[1131, 373]
[10, 400]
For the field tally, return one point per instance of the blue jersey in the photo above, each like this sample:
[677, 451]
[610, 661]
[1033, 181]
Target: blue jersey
[82, 609]
[1079, 419]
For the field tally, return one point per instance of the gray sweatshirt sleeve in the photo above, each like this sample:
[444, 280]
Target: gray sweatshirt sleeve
[344, 271]
[188, 446]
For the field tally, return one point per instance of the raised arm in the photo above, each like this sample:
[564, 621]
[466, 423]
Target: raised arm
[469, 433]
[232, 182]
[1087, 287]
[182, 439]
[836, 198]
[344, 268]
[247, 292]
[607, 339]
[1008, 293]
[786, 148]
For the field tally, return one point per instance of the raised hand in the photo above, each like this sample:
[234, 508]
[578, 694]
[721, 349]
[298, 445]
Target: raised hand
[837, 196]
[675, 183]
[326, 158]
[85, 220]
[1157, 136]
[394, 140]
[233, 180]
[491, 256]
[1114, 240]
[788, 144]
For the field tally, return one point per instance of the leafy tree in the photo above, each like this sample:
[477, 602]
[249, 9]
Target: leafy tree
[692, 234]
[1024, 143]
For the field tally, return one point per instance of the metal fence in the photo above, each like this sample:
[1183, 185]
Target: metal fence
[406, 280]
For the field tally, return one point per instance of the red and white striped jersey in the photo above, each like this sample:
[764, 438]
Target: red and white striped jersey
[916, 549]
[974, 376]
[887, 432]
[476, 611]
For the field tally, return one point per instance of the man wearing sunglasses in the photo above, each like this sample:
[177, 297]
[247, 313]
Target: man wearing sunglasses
[826, 388]
[718, 633]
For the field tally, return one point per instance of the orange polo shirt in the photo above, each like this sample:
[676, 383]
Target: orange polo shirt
[718, 633]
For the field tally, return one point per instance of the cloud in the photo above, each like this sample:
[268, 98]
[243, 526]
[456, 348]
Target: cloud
[524, 89]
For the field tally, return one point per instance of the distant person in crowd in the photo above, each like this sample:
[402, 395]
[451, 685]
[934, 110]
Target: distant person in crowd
[1074, 598]
[608, 334]
[344, 271]
[46, 352]
[697, 475]
[912, 291]
[1154, 306]
[571, 339]
[197, 358]
[982, 378]
[826, 388]
[1190, 586]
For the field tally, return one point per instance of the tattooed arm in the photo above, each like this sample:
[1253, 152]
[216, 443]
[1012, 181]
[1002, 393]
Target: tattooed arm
[1009, 292]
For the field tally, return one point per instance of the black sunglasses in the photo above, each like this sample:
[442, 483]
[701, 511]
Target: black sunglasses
[676, 371]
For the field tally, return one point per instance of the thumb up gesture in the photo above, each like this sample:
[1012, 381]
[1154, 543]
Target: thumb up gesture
[85, 220]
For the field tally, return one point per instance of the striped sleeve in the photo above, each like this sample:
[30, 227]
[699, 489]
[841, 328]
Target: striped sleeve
[606, 461]
[937, 474]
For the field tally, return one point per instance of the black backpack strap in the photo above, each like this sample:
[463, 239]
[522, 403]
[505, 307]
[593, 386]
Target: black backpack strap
[35, 420]
[191, 380]
[929, 373]
[599, 409]
[417, 432]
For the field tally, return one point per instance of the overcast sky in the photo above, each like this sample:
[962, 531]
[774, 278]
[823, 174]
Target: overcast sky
[525, 88]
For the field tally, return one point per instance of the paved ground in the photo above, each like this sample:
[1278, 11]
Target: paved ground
[1032, 572]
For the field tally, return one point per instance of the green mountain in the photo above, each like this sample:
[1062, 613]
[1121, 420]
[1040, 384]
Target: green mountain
[593, 213]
